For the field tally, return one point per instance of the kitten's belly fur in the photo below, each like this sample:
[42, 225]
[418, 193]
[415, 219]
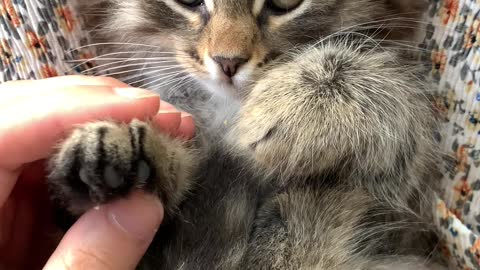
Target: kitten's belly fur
[229, 221]
[215, 222]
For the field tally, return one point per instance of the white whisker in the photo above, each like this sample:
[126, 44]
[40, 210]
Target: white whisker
[125, 66]
[155, 69]
[116, 43]
[161, 76]
[159, 79]
[173, 80]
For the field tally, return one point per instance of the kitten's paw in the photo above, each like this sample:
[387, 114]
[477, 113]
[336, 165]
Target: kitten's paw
[105, 160]
[333, 105]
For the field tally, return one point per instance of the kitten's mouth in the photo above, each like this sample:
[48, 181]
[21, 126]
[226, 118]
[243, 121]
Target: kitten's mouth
[231, 87]
[228, 81]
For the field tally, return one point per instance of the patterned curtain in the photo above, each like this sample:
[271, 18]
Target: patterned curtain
[40, 39]
[44, 38]
[453, 46]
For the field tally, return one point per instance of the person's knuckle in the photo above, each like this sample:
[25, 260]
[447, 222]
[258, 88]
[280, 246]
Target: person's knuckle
[80, 259]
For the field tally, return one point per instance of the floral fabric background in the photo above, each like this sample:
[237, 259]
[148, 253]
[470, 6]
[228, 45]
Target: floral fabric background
[453, 46]
[43, 38]
[40, 39]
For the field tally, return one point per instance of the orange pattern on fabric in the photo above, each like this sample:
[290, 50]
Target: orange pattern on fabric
[66, 18]
[449, 10]
[48, 72]
[11, 13]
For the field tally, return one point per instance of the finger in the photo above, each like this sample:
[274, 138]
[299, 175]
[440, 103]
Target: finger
[115, 236]
[7, 215]
[29, 128]
[176, 124]
[18, 237]
[14, 90]
[7, 182]
[167, 121]
[165, 106]
[187, 126]
[62, 81]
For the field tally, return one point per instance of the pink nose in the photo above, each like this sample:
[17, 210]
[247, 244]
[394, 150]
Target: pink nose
[230, 66]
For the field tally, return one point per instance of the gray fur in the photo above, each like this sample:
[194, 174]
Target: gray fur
[324, 158]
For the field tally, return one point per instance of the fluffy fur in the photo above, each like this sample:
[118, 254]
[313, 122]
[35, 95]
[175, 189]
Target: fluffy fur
[318, 152]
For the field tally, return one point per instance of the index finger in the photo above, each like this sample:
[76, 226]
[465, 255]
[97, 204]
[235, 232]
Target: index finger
[30, 127]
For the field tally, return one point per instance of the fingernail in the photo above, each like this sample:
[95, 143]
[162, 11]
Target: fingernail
[185, 115]
[139, 215]
[135, 93]
[164, 112]
[167, 106]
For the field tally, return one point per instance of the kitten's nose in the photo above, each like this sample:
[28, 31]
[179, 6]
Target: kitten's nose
[230, 65]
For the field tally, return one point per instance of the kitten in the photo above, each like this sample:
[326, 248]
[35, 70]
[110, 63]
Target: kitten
[315, 137]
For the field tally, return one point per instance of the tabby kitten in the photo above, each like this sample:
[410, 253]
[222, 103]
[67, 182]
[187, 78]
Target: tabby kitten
[315, 137]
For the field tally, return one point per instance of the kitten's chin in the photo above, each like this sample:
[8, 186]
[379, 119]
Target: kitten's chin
[233, 89]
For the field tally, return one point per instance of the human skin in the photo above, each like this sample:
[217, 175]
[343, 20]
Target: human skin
[34, 117]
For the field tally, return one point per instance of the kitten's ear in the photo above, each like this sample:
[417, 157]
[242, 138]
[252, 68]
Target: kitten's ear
[94, 11]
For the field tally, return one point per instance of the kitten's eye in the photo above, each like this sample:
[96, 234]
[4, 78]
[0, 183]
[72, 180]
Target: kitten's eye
[283, 6]
[191, 3]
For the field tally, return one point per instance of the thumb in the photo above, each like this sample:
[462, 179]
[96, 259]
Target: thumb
[114, 236]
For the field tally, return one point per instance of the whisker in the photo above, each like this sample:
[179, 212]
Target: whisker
[101, 57]
[173, 80]
[115, 43]
[159, 85]
[375, 24]
[159, 79]
[152, 77]
[124, 66]
[155, 69]
[125, 58]
[183, 82]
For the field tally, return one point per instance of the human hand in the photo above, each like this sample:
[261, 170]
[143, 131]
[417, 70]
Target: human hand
[34, 116]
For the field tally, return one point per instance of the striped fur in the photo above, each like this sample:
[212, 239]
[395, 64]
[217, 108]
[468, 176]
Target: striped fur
[315, 137]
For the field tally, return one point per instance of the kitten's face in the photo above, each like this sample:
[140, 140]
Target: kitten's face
[225, 44]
